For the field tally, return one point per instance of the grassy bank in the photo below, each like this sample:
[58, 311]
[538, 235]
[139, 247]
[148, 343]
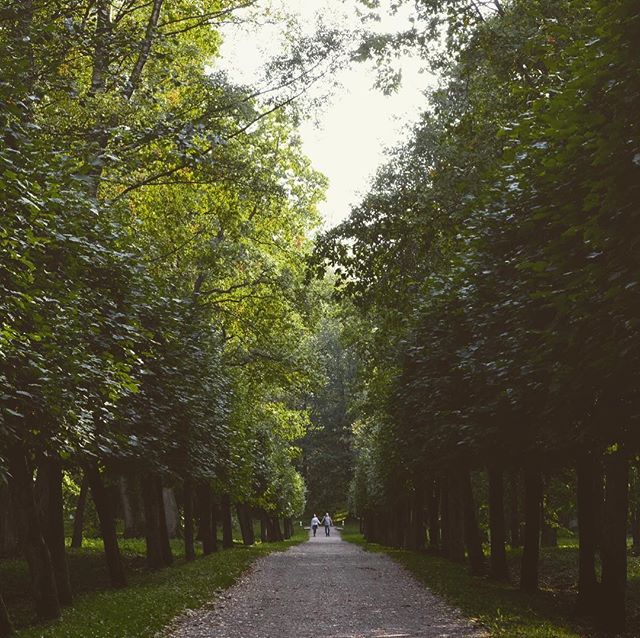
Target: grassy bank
[503, 609]
[152, 600]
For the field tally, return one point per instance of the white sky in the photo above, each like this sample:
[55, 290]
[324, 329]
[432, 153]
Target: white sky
[345, 139]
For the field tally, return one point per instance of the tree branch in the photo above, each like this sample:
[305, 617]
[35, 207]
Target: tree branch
[145, 49]
[152, 179]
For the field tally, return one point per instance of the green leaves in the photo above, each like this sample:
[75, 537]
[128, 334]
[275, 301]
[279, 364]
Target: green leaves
[493, 263]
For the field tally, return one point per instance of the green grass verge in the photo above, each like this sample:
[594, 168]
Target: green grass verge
[152, 600]
[503, 609]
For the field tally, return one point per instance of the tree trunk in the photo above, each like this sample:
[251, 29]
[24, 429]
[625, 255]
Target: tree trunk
[472, 538]
[163, 532]
[396, 524]
[225, 514]
[275, 528]
[151, 504]
[170, 511]
[548, 533]
[246, 523]
[614, 546]
[417, 534]
[588, 475]
[187, 495]
[499, 568]
[514, 510]
[106, 515]
[531, 552]
[264, 527]
[53, 525]
[434, 516]
[6, 628]
[132, 522]
[444, 517]
[214, 526]
[8, 539]
[635, 530]
[455, 517]
[78, 519]
[43, 585]
[204, 518]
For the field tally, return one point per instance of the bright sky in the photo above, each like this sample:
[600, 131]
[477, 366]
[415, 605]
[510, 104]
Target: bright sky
[346, 137]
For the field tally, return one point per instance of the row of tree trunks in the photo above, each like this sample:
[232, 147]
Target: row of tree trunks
[446, 510]
[37, 520]
[603, 511]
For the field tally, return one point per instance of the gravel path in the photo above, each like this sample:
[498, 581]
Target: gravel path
[330, 588]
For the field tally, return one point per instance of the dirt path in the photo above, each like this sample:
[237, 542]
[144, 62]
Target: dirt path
[327, 587]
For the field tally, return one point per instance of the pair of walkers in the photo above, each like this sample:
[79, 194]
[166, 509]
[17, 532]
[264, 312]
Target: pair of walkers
[326, 521]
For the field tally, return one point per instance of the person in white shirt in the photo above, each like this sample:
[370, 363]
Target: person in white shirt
[315, 521]
[326, 521]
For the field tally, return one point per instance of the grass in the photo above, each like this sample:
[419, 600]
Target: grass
[150, 603]
[503, 609]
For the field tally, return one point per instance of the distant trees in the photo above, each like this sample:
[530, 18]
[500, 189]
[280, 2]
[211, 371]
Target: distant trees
[155, 223]
[495, 265]
[327, 452]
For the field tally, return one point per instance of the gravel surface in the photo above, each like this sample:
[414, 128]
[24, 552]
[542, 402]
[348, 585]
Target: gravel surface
[326, 587]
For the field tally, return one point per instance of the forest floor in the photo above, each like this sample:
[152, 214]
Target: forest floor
[331, 588]
[502, 608]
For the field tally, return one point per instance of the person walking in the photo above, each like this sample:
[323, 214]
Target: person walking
[326, 521]
[315, 521]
